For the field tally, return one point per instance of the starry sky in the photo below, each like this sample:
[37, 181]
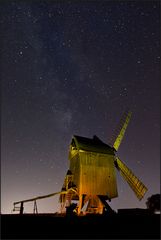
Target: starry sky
[72, 68]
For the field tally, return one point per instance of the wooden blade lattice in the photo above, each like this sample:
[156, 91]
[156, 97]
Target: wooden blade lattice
[120, 130]
[137, 186]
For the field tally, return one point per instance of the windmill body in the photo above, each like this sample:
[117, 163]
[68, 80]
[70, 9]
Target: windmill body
[93, 169]
[92, 165]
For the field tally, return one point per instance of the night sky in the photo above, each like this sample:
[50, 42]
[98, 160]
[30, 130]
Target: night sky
[72, 68]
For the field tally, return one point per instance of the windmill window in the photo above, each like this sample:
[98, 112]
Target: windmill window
[73, 145]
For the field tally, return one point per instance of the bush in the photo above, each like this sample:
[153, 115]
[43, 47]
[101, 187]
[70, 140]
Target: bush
[153, 203]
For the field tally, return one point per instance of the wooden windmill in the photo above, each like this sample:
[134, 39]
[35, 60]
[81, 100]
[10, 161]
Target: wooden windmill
[91, 178]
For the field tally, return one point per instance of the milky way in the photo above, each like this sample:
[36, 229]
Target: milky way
[74, 67]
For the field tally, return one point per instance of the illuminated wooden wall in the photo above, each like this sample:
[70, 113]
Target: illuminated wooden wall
[94, 172]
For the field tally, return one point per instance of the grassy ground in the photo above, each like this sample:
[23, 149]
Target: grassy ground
[119, 226]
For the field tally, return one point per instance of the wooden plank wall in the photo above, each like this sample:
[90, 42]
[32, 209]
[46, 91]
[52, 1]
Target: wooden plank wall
[97, 174]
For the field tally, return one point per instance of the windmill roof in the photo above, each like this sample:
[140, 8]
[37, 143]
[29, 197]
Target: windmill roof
[92, 144]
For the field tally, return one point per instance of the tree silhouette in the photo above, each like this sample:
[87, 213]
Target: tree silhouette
[153, 203]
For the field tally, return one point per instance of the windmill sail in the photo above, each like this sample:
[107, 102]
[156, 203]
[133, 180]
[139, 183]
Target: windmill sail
[120, 131]
[137, 186]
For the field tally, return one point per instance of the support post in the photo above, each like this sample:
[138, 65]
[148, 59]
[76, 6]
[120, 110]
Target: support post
[21, 208]
[80, 204]
[35, 207]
